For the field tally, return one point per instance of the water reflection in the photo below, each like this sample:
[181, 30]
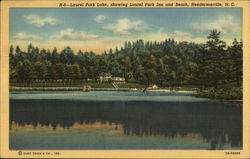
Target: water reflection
[217, 123]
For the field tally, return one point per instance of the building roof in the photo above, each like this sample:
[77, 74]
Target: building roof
[152, 84]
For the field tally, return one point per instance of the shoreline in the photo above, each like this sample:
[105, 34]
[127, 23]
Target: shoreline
[95, 89]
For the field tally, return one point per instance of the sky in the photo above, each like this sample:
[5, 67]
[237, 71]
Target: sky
[99, 29]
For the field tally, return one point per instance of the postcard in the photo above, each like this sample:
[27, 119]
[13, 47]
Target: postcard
[125, 79]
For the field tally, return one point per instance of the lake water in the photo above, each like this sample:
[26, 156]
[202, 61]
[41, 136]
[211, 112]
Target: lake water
[122, 120]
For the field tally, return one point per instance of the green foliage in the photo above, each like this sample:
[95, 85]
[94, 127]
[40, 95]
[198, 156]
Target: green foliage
[222, 93]
[166, 63]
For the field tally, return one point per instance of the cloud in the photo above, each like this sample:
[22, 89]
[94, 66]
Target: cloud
[177, 34]
[125, 27]
[70, 34]
[224, 24]
[161, 34]
[24, 36]
[100, 18]
[40, 22]
[111, 40]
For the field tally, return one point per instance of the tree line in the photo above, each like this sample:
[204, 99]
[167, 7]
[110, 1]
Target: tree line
[166, 63]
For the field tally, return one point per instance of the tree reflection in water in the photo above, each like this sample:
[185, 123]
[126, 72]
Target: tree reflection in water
[217, 123]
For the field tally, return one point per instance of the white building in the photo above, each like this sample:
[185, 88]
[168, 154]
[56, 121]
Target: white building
[152, 85]
[105, 77]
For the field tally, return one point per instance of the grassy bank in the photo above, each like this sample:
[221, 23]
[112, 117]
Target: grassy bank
[130, 85]
[76, 84]
[64, 86]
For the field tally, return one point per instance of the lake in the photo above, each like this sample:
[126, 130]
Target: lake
[122, 120]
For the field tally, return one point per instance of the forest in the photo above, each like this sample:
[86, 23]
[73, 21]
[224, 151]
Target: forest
[214, 67]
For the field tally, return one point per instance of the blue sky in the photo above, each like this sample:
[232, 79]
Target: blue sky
[99, 29]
